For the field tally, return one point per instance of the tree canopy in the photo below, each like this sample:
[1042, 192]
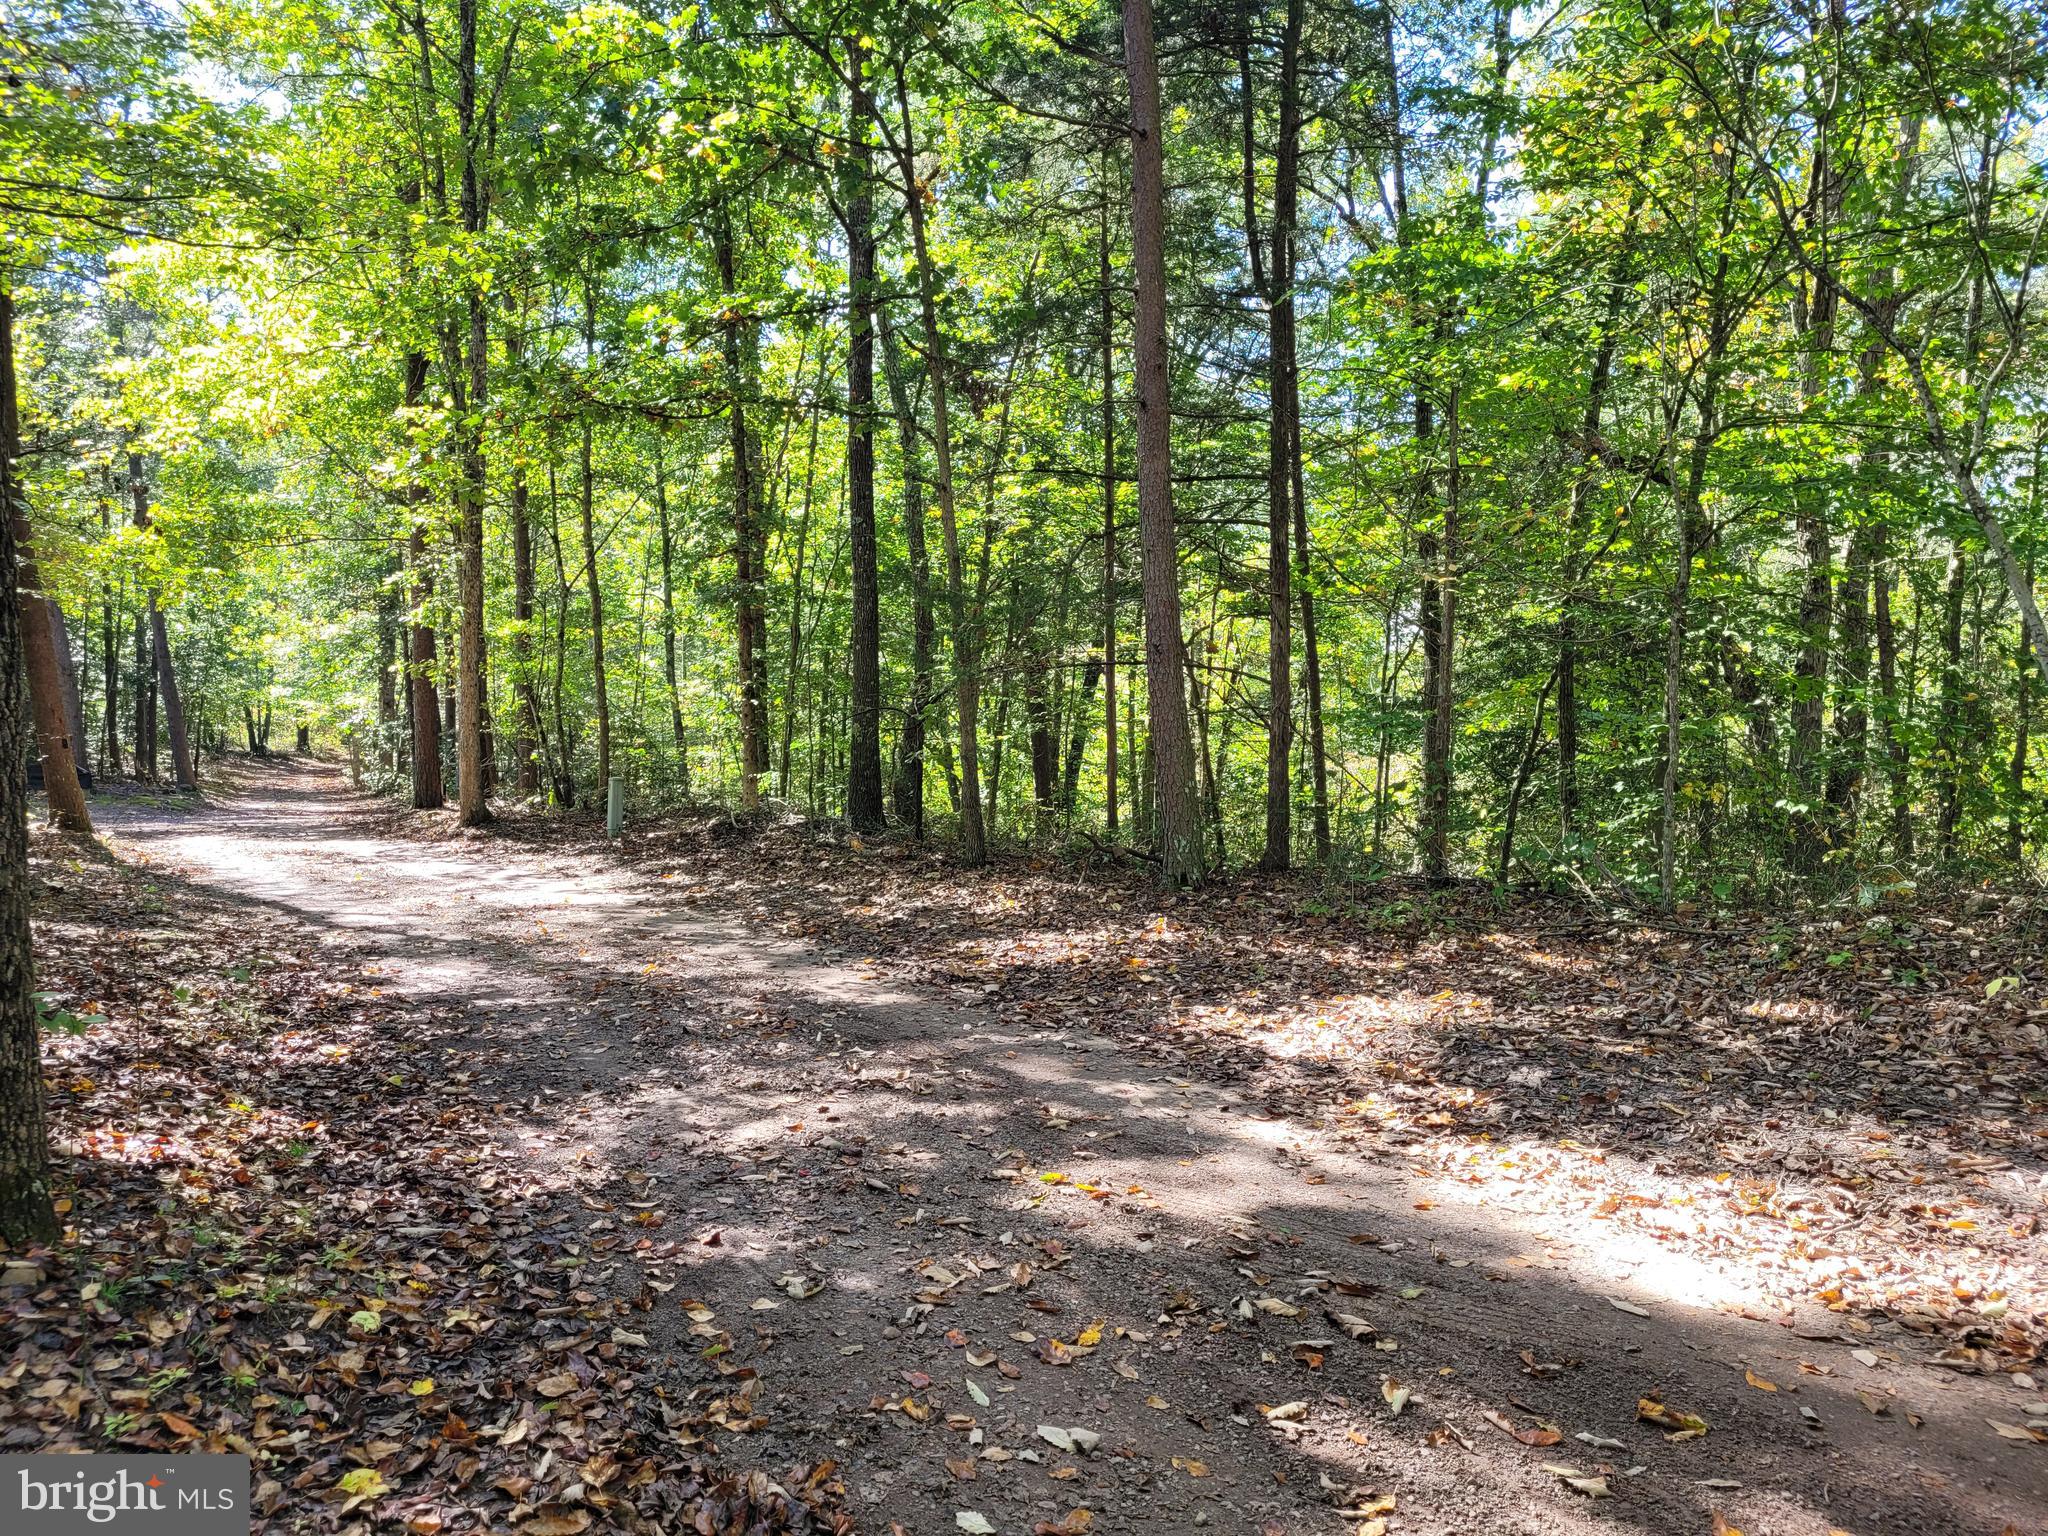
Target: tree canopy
[1597, 444]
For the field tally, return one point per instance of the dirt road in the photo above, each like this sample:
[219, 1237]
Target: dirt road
[1005, 1275]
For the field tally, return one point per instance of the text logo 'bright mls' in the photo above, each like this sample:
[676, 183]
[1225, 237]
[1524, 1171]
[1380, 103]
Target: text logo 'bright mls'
[56, 1495]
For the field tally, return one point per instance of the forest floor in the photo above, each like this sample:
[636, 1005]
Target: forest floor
[515, 1181]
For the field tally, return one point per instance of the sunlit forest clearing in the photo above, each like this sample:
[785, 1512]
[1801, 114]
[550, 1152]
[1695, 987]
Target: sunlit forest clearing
[1029, 768]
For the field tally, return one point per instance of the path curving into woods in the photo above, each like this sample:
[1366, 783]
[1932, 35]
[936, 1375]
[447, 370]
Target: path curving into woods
[930, 1228]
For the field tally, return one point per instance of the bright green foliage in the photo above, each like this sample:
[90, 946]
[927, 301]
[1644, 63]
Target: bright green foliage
[1694, 353]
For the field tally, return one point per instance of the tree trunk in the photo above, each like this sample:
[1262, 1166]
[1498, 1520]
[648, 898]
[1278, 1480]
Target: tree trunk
[792, 667]
[1311, 660]
[388, 667]
[1898, 768]
[471, 785]
[32, 636]
[1045, 752]
[563, 765]
[74, 702]
[1809, 686]
[668, 624]
[1271, 263]
[2015, 825]
[25, 1209]
[1438, 733]
[1531, 750]
[1844, 793]
[110, 647]
[526, 731]
[585, 505]
[966, 682]
[910, 752]
[1077, 738]
[26, 1214]
[1690, 535]
[1181, 855]
[864, 643]
[1581, 496]
[173, 704]
[750, 614]
[145, 701]
[1109, 782]
[1948, 731]
[160, 650]
[427, 791]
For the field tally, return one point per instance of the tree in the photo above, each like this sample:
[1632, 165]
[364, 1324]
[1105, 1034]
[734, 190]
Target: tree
[1180, 843]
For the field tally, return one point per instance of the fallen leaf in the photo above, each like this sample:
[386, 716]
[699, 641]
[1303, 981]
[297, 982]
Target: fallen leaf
[363, 1483]
[1531, 1437]
[1683, 1426]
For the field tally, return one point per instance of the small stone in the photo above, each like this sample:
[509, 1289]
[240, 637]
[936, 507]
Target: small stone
[21, 1274]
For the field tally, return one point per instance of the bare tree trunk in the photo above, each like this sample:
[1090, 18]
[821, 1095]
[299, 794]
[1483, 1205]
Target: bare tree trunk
[1439, 729]
[668, 624]
[471, 783]
[32, 634]
[1045, 753]
[1844, 793]
[792, 667]
[1271, 263]
[1689, 536]
[110, 646]
[864, 810]
[1181, 854]
[750, 617]
[1531, 750]
[1311, 659]
[910, 752]
[1948, 731]
[526, 731]
[145, 701]
[585, 504]
[562, 766]
[1109, 781]
[1898, 768]
[428, 793]
[966, 679]
[1583, 482]
[160, 648]
[26, 1214]
[173, 704]
[1077, 736]
[74, 703]
[2015, 825]
[388, 670]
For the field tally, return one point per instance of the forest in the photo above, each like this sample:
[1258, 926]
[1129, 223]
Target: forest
[1413, 475]
[1591, 445]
